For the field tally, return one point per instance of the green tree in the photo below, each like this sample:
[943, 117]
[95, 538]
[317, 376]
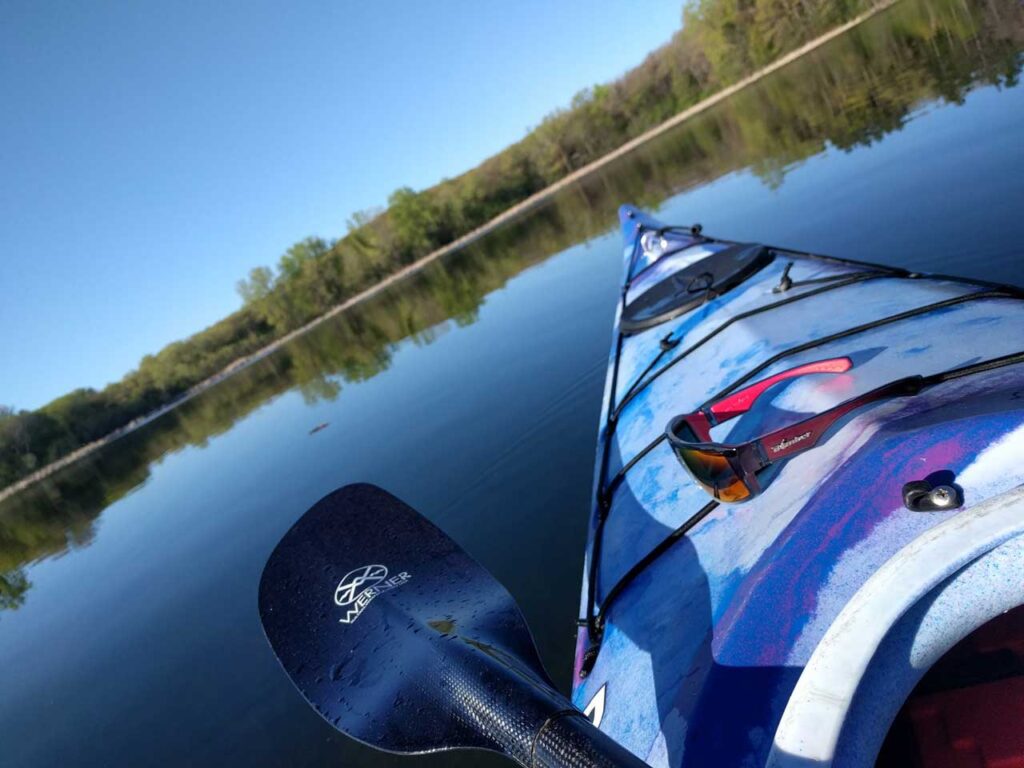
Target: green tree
[303, 252]
[415, 219]
[257, 286]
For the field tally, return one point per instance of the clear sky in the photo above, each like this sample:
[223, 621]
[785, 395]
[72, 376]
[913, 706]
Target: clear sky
[151, 153]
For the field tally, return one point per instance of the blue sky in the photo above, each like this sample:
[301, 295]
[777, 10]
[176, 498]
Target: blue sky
[151, 153]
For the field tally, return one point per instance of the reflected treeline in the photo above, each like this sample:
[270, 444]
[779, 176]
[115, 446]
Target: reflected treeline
[856, 90]
[851, 93]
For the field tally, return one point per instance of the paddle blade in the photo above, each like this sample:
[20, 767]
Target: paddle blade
[397, 637]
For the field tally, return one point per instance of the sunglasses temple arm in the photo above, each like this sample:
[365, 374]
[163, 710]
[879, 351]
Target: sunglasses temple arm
[741, 401]
[791, 440]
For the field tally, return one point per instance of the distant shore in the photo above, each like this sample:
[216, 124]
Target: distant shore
[502, 218]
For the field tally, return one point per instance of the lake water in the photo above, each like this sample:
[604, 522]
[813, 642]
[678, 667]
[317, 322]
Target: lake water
[129, 631]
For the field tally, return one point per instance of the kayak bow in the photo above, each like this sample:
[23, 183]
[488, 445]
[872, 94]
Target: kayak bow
[702, 619]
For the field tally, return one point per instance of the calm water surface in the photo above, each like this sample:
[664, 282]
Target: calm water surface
[129, 631]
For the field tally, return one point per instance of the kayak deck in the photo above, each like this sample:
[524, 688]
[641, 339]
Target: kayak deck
[701, 649]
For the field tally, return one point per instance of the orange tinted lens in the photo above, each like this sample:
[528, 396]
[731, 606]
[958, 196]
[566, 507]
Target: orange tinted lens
[714, 473]
[735, 491]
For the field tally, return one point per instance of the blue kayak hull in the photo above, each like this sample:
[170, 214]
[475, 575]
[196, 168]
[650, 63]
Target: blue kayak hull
[715, 652]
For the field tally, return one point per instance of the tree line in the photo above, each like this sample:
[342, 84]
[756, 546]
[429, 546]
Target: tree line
[720, 42]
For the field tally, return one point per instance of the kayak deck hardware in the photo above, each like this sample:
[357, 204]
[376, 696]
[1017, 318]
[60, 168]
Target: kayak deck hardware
[785, 282]
[608, 489]
[922, 496]
[693, 231]
[693, 285]
[596, 616]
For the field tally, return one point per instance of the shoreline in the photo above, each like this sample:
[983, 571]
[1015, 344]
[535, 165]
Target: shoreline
[504, 217]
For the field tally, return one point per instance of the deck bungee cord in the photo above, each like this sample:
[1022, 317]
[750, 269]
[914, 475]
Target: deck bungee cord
[641, 383]
[923, 310]
[617, 479]
[668, 344]
[596, 616]
[600, 618]
[595, 622]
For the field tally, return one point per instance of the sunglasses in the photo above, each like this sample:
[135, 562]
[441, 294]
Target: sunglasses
[730, 472]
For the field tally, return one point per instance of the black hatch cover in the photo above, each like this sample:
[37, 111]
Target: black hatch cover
[683, 290]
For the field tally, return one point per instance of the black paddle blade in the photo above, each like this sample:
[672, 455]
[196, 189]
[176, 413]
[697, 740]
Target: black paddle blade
[400, 639]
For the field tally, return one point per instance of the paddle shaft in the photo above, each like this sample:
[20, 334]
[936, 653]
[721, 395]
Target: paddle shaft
[569, 740]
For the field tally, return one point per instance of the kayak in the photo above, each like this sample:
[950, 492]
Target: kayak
[806, 544]
[807, 536]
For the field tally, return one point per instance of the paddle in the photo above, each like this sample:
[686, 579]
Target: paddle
[401, 640]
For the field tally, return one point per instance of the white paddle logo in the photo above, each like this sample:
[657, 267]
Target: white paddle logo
[359, 587]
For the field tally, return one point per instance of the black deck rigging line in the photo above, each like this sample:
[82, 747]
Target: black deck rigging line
[594, 623]
[627, 578]
[605, 491]
[617, 479]
[659, 549]
[668, 343]
[1015, 290]
[972, 368]
[816, 280]
[991, 294]
[640, 384]
[696, 231]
